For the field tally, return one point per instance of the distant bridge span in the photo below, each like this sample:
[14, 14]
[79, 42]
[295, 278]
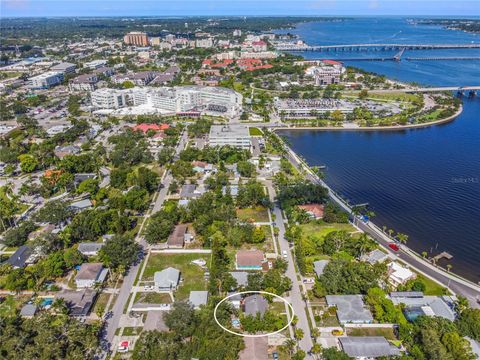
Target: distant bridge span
[374, 47]
[433, 89]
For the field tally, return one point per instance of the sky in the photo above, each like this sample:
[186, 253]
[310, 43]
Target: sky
[33, 8]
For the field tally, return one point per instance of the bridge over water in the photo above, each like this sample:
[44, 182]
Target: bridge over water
[373, 47]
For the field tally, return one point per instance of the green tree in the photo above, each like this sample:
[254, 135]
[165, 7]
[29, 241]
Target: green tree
[119, 251]
[28, 163]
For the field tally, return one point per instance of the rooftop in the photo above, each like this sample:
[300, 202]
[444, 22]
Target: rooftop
[167, 278]
[198, 298]
[20, 256]
[350, 308]
[249, 258]
[255, 304]
[89, 247]
[91, 271]
[368, 346]
[229, 131]
[177, 237]
[319, 266]
[78, 302]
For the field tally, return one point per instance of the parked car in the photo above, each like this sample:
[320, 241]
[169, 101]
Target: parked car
[337, 332]
[284, 252]
[393, 246]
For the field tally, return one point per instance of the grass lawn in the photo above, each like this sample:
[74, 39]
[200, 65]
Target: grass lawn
[316, 231]
[257, 214]
[101, 302]
[327, 318]
[153, 298]
[432, 288]
[191, 274]
[131, 331]
[278, 307]
[8, 307]
[255, 131]
[385, 332]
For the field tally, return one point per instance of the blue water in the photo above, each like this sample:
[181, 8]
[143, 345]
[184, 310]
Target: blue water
[423, 182]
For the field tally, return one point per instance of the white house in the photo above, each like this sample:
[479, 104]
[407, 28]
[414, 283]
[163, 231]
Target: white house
[90, 274]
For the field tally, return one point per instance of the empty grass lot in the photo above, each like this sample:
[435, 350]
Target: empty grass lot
[153, 298]
[192, 275]
[256, 214]
[385, 332]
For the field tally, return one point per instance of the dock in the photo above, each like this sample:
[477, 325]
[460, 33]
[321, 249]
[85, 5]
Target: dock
[443, 255]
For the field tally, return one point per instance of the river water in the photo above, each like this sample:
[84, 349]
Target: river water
[421, 182]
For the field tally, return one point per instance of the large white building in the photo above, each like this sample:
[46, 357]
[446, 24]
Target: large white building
[173, 100]
[108, 98]
[46, 80]
[95, 64]
[204, 43]
[231, 135]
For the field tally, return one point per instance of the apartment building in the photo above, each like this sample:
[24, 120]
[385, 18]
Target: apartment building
[108, 98]
[136, 38]
[46, 80]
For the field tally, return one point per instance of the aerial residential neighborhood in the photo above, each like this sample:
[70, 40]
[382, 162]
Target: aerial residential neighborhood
[151, 206]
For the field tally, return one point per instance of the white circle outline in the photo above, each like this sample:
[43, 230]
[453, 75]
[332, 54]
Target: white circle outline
[253, 292]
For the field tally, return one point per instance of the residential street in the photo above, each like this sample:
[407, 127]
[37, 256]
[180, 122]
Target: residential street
[113, 321]
[295, 297]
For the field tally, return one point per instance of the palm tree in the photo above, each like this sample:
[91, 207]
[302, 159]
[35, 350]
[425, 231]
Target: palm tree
[290, 345]
[299, 334]
[403, 238]
[449, 267]
[390, 232]
[424, 254]
[316, 349]
[315, 333]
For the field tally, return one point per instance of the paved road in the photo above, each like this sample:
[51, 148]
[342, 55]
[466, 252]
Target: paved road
[457, 285]
[295, 297]
[113, 321]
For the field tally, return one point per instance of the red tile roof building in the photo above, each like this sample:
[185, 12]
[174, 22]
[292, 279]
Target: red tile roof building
[146, 127]
[314, 210]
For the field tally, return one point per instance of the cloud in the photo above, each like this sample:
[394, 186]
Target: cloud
[373, 4]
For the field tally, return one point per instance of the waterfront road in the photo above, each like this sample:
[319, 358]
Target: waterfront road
[455, 283]
[295, 298]
[112, 321]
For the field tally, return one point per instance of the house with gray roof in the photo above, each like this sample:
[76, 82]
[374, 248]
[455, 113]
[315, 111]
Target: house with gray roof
[20, 257]
[319, 266]
[198, 298]
[350, 309]
[416, 304]
[255, 304]
[81, 205]
[89, 248]
[167, 279]
[28, 310]
[375, 256]
[188, 191]
[90, 274]
[79, 302]
[367, 347]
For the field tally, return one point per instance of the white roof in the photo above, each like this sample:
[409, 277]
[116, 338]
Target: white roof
[167, 278]
[400, 272]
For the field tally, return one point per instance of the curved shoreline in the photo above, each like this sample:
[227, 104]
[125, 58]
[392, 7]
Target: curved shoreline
[379, 128]
[412, 256]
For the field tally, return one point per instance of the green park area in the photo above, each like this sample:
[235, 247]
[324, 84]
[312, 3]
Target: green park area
[255, 131]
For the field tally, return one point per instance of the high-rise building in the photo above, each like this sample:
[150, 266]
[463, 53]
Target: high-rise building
[136, 38]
